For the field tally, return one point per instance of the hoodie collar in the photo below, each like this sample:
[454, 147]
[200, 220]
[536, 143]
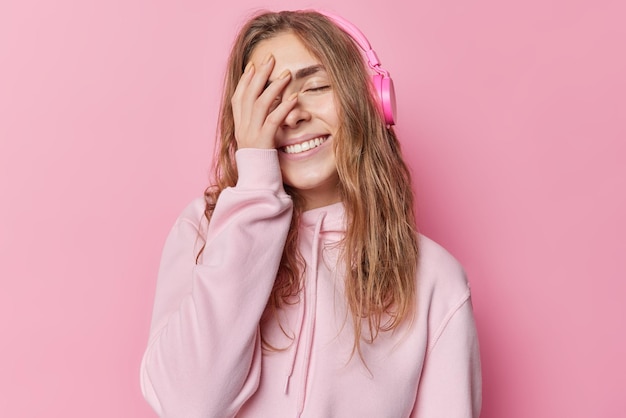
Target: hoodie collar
[332, 221]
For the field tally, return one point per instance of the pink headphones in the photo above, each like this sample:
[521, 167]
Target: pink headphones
[383, 84]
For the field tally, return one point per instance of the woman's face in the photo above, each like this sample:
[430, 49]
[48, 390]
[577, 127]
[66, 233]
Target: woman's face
[304, 140]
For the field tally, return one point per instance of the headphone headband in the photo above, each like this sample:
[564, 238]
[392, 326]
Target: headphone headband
[381, 80]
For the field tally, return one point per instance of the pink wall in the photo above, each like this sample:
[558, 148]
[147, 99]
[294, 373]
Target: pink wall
[513, 119]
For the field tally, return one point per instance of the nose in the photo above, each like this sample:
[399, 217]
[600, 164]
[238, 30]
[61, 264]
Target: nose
[296, 116]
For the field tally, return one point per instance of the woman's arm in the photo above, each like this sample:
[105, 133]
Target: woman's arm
[450, 385]
[204, 355]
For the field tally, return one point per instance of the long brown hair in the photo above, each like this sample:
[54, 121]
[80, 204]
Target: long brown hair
[380, 247]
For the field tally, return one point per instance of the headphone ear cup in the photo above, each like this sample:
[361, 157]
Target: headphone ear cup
[383, 85]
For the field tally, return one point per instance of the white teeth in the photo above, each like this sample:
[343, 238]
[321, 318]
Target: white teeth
[305, 146]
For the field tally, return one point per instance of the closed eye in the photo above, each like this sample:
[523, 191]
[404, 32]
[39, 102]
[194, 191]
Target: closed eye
[315, 89]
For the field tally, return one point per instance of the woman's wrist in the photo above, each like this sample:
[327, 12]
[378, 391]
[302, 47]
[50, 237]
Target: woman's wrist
[258, 169]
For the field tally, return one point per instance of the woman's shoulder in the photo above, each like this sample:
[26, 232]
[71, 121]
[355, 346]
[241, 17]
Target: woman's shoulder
[442, 287]
[194, 211]
[191, 218]
[439, 273]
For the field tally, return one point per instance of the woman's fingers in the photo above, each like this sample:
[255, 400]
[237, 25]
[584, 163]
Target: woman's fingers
[276, 117]
[258, 105]
[259, 80]
[248, 90]
[236, 98]
[269, 99]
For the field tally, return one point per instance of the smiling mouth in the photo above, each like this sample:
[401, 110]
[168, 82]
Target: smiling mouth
[304, 146]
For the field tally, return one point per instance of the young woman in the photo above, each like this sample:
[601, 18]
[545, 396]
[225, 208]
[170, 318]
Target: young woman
[298, 285]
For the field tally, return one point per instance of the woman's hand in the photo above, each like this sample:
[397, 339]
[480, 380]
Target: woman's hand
[258, 110]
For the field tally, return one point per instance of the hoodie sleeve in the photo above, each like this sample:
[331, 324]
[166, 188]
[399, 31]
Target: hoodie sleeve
[203, 357]
[451, 385]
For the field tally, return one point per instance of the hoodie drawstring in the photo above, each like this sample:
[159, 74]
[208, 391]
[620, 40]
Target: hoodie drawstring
[306, 313]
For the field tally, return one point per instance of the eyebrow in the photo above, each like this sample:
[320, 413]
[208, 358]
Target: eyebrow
[307, 71]
[303, 72]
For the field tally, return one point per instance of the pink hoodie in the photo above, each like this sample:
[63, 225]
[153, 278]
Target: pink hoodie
[205, 357]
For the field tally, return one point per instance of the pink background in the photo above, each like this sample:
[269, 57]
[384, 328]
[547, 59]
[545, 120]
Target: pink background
[512, 115]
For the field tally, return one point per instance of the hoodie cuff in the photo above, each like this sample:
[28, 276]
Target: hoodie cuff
[258, 169]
